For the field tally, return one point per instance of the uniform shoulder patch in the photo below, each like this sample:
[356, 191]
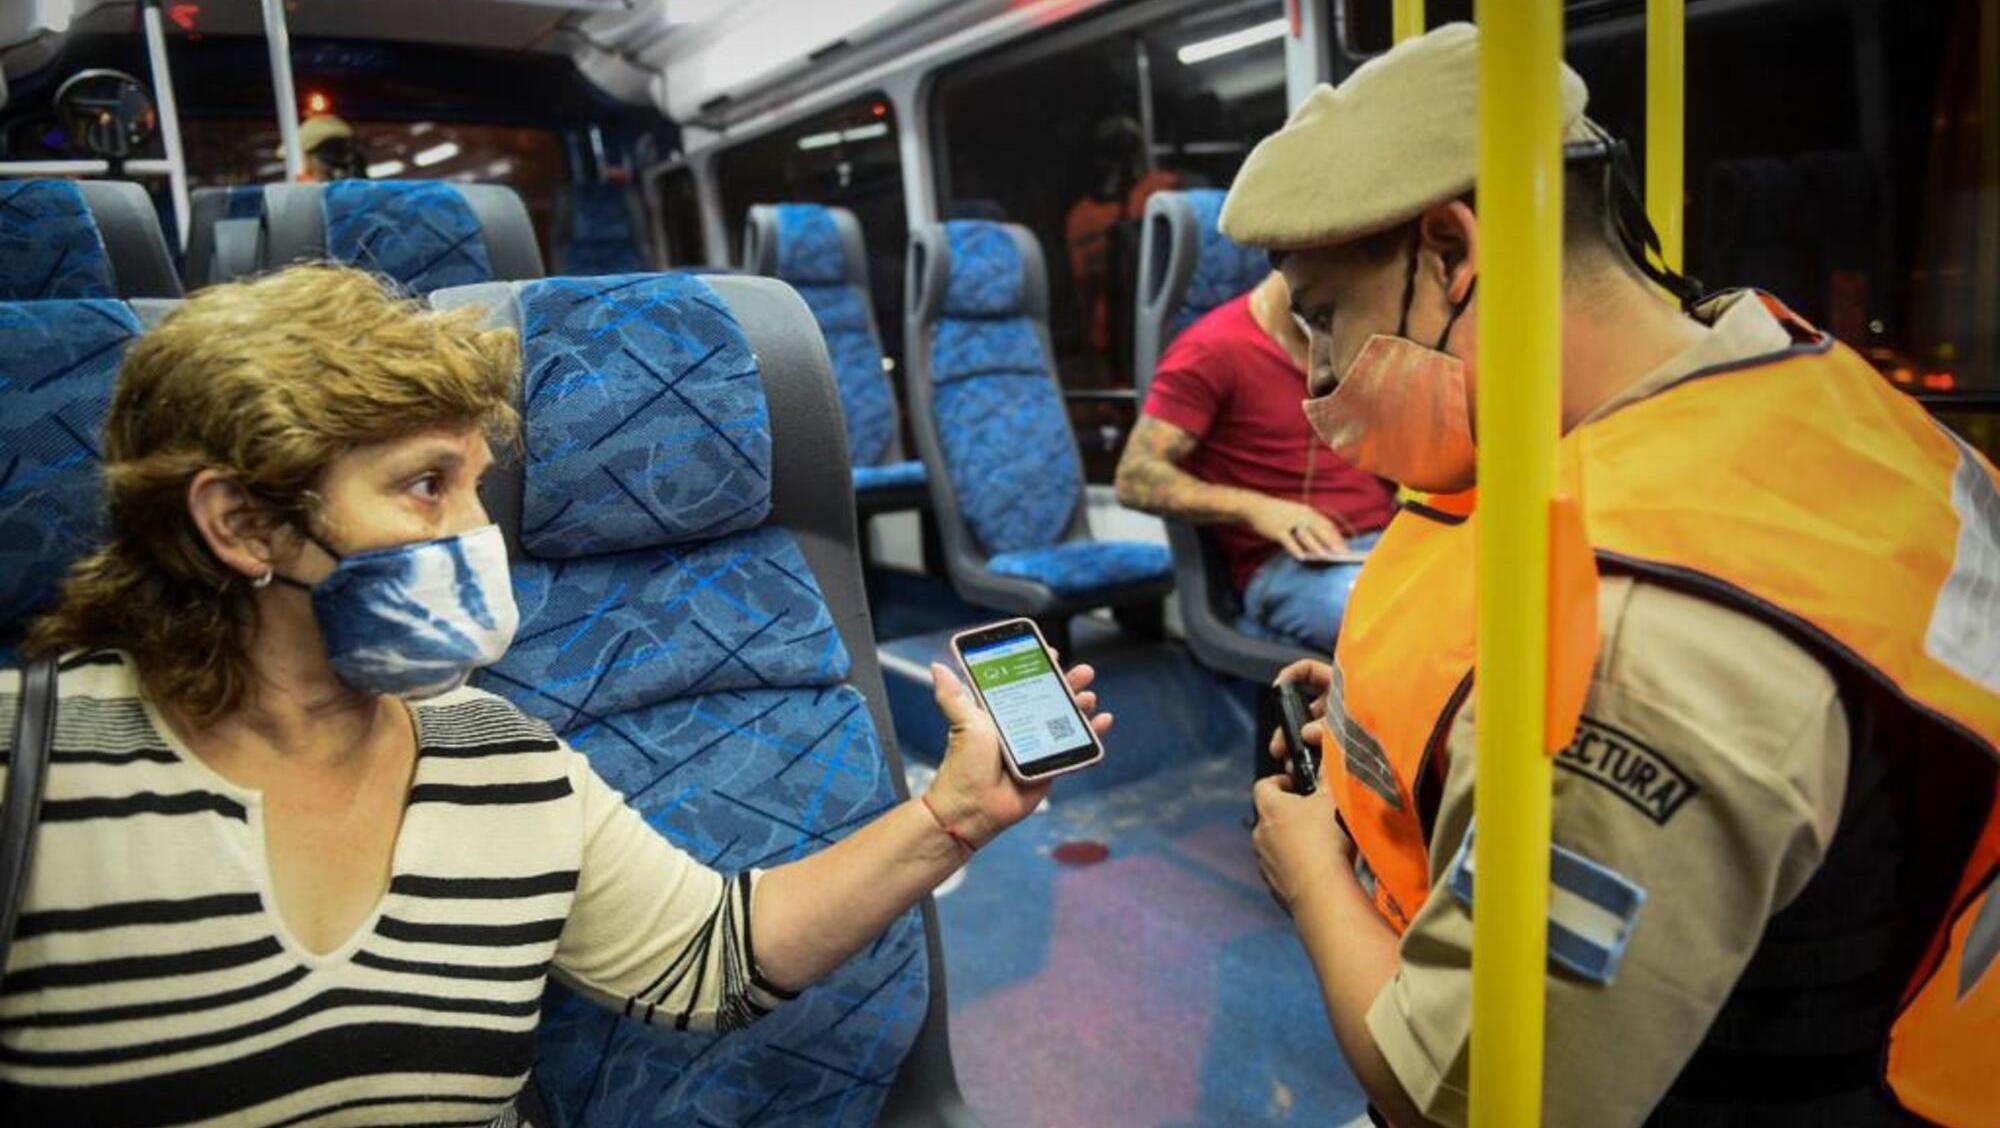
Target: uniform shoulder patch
[1619, 762]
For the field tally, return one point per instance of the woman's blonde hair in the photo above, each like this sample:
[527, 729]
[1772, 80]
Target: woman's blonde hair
[266, 381]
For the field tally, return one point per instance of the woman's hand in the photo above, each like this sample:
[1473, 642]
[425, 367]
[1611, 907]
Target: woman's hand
[1302, 850]
[974, 793]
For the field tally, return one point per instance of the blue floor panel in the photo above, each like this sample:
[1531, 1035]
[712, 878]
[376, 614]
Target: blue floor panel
[1160, 987]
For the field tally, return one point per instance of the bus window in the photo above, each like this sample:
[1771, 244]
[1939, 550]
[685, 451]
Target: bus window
[236, 151]
[846, 157]
[680, 213]
[1859, 206]
[1151, 102]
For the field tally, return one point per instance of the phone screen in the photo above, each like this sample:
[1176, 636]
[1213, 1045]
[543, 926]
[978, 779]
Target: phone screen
[1028, 701]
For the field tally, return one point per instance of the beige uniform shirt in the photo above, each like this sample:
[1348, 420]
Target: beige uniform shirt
[1749, 729]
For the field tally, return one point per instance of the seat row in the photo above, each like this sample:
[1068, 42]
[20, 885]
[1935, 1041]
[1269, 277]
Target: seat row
[596, 226]
[999, 461]
[1004, 479]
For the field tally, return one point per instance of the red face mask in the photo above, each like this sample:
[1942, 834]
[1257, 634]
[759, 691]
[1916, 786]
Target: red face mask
[1402, 410]
[1400, 413]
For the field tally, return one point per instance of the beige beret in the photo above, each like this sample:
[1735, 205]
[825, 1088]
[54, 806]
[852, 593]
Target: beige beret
[1401, 134]
[318, 130]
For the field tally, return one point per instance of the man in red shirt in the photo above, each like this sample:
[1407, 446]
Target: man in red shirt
[1223, 442]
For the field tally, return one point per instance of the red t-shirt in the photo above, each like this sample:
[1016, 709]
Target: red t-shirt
[1237, 391]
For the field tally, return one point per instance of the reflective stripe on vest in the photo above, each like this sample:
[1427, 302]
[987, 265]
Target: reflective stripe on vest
[1799, 487]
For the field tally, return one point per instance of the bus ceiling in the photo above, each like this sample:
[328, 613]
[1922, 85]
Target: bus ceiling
[711, 61]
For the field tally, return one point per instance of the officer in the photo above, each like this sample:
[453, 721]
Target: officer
[1775, 823]
[331, 149]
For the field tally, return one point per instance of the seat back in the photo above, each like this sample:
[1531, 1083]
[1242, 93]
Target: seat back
[58, 364]
[81, 239]
[1187, 268]
[819, 251]
[989, 419]
[598, 232]
[688, 581]
[425, 234]
[208, 207]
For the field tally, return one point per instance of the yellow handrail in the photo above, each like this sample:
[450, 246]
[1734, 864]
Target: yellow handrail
[1666, 123]
[1408, 21]
[1520, 225]
[1985, 349]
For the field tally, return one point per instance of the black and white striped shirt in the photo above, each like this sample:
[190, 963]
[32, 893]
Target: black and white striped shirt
[152, 980]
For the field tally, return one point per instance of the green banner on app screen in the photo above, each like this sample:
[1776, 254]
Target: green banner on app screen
[1011, 668]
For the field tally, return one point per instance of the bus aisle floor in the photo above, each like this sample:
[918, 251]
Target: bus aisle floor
[1115, 960]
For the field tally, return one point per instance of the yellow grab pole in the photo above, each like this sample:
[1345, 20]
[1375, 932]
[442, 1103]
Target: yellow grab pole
[1986, 238]
[1666, 123]
[1520, 359]
[1408, 22]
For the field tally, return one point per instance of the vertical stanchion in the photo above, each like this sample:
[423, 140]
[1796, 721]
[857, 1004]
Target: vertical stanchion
[1407, 21]
[1666, 123]
[279, 39]
[1520, 228]
[1986, 245]
[170, 119]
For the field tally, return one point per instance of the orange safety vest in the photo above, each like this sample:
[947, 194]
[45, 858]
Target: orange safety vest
[1799, 488]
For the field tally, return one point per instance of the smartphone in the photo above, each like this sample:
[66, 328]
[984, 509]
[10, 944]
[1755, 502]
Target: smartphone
[1302, 759]
[1043, 732]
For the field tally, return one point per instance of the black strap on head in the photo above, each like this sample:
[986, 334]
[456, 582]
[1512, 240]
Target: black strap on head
[1626, 212]
[1410, 296]
[1410, 281]
[307, 533]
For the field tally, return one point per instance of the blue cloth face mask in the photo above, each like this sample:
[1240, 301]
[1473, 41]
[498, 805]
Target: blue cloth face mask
[415, 620]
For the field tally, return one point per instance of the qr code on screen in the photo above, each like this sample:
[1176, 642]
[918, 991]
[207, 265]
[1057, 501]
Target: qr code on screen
[1060, 728]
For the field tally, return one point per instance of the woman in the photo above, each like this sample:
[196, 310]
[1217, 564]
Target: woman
[244, 903]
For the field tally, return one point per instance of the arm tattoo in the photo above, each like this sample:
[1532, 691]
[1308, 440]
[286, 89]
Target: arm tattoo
[1150, 479]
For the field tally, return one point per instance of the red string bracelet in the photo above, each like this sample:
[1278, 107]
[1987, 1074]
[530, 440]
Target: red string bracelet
[949, 829]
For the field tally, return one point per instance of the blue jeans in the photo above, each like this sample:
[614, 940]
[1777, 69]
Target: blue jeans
[1301, 603]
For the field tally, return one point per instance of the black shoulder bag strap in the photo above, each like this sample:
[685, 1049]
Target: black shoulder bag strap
[27, 775]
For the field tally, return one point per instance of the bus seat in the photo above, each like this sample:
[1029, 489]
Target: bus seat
[239, 248]
[425, 234]
[82, 239]
[208, 207]
[1005, 477]
[597, 232]
[58, 363]
[1186, 269]
[819, 251]
[687, 575]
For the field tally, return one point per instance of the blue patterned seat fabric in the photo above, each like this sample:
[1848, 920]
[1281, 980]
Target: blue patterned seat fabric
[811, 259]
[1222, 269]
[419, 232]
[683, 644]
[1084, 567]
[245, 201]
[1005, 434]
[61, 361]
[890, 476]
[1000, 419]
[49, 244]
[601, 239]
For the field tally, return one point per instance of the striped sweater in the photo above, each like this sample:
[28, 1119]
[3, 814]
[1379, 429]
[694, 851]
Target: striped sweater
[152, 980]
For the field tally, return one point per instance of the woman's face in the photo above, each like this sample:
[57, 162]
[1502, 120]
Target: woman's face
[411, 489]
